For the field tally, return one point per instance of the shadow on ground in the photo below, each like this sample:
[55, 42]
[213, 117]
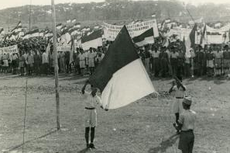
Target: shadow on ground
[164, 145]
[29, 141]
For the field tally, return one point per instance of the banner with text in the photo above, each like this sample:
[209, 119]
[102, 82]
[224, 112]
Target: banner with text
[9, 49]
[111, 31]
[63, 48]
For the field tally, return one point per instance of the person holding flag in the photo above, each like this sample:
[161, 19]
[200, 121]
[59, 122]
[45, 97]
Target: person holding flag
[92, 99]
[121, 78]
[179, 92]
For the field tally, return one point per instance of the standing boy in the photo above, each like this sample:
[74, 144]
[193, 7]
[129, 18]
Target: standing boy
[186, 125]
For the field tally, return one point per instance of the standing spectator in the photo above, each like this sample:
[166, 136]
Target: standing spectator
[5, 63]
[37, 63]
[174, 60]
[67, 64]
[25, 55]
[187, 64]
[22, 64]
[180, 63]
[99, 57]
[62, 62]
[200, 59]
[218, 62]
[186, 125]
[10, 63]
[91, 60]
[155, 62]
[51, 62]
[30, 61]
[86, 61]
[76, 61]
[14, 62]
[45, 63]
[210, 62]
[164, 62]
[147, 58]
[82, 59]
[226, 60]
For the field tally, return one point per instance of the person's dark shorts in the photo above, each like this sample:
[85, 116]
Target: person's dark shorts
[186, 141]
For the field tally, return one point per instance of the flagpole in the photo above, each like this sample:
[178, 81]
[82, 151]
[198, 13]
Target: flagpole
[56, 65]
[30, 16]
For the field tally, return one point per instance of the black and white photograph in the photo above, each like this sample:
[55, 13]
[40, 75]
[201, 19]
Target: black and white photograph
[115, 76]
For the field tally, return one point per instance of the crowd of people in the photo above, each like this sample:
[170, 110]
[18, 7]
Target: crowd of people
[34, 59]
[211, 60]
[159, 60]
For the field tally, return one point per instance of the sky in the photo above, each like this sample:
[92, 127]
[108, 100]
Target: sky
[15, 3]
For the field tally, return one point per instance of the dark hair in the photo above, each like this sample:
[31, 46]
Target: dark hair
[186, 106]
[94, 91]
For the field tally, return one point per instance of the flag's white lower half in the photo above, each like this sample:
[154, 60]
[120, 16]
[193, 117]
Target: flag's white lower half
[92, 43]
[147, 40]
[127, 85]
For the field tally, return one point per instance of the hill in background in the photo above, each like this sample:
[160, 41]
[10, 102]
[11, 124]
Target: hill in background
[112, 11]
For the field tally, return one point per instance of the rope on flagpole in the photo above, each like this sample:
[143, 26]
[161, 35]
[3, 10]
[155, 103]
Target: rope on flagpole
[24, 123]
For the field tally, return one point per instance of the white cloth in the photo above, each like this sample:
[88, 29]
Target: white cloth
[45, 58]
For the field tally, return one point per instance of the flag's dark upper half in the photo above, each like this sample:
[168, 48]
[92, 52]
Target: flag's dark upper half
[121, 52]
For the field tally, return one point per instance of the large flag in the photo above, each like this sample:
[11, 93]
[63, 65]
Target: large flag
[192, 36]
[203, 37]
[145, 38]
[92, 40]
[121, 75]
[190, 41]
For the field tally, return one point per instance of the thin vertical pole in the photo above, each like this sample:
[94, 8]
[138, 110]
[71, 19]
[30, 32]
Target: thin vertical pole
[30, 16]
[24, 123]
[56, 65]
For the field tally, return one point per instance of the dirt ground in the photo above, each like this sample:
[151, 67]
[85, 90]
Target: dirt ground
[144, 126]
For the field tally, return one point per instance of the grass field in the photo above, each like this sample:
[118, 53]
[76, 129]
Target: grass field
[141, 127]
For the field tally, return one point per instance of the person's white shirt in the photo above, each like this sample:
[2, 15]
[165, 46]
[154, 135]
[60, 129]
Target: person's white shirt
[45, 58]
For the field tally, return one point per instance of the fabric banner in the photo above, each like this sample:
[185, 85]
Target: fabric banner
[63, 48]
[217, 36]
[9, 49]
[180, 32]
[111, 31]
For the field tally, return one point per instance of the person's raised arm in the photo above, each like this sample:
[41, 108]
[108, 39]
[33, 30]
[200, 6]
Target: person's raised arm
[83, 88]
